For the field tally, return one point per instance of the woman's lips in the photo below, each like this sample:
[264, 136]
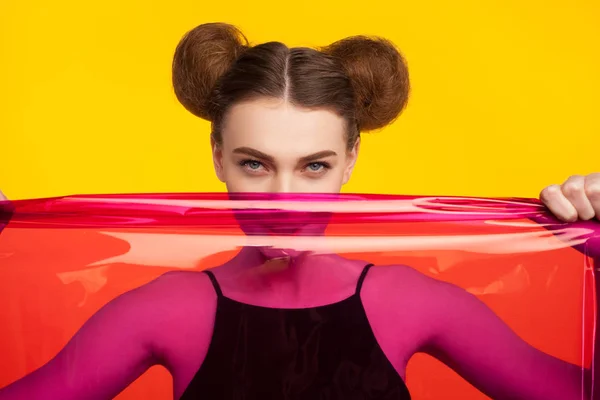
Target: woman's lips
[283, 230]
[282, 223]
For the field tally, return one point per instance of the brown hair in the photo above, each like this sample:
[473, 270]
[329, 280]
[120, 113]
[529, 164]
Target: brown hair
[364, 80]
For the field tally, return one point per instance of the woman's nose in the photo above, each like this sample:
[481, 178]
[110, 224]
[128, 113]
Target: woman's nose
[283, 183]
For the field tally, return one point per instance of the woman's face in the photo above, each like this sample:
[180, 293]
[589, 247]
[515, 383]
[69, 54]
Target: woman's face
[272, 146]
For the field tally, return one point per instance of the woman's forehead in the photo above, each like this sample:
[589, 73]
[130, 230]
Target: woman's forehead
[275, 126]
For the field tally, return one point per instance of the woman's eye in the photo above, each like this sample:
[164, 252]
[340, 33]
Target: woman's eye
[252, 165]
[317, 167]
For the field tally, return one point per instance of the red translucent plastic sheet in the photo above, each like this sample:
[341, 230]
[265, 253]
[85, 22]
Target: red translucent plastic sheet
[64, 261]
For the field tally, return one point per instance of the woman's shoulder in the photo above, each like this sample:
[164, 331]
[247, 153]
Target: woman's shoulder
[401, 303]
[180, 276]
[181, 283]
[404, 285]
[170, 294]
[184, 301]
[401, 276]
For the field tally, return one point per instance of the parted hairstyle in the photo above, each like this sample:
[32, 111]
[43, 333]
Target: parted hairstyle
[362, 79]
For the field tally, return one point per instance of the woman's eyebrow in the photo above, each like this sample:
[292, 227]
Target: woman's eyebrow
[316, 156]
[248, 151]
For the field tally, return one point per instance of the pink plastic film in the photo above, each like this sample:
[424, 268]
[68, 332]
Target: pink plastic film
[104, 296]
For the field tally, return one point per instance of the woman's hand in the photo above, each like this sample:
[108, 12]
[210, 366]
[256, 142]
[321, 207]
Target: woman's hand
[2, 196]
[577, 198]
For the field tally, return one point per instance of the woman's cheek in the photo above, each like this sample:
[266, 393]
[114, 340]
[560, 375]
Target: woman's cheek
[330, 182]
[241, 182]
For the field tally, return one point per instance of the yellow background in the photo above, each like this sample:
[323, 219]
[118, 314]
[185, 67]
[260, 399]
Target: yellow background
[505, 93]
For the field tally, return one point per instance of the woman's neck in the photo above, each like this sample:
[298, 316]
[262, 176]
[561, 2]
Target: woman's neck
[292, 280]
[271, 265]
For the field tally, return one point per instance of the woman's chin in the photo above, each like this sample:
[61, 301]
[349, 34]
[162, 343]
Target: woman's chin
[271, 253]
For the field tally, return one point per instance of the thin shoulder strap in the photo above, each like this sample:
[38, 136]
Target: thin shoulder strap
[215, 284]
[362, 277]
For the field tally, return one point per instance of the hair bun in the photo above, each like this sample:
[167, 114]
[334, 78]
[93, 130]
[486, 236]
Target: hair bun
[379, 76]
[202, 56]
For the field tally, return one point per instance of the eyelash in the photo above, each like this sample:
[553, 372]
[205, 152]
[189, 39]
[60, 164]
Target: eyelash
[325, 166]
[244, 163]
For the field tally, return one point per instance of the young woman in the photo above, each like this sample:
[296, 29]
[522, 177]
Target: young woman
[317, 327]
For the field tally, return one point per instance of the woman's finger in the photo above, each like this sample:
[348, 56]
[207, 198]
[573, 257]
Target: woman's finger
[592, 191]
[574, 190]
[558, 204]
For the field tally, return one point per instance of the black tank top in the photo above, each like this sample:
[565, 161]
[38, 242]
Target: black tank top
[322, 353]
